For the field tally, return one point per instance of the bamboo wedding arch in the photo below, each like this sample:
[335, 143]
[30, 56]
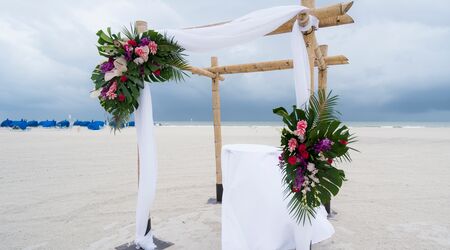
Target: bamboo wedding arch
[328, 16]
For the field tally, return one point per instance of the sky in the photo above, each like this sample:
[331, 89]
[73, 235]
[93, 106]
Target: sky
[398, 50]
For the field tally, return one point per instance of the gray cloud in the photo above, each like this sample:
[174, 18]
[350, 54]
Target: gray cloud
[398, 53]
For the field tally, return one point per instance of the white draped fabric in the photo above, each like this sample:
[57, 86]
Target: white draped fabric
[241, 30]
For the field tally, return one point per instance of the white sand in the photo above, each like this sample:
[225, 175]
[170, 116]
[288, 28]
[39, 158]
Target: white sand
[76, 189]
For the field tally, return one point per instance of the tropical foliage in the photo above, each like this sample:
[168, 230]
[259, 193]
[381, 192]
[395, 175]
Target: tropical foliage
[132, 60]
[312, 141]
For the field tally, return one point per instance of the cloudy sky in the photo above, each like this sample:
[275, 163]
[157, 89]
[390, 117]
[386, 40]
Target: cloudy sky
[398, 49]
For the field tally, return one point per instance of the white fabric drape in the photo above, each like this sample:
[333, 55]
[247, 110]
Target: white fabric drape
[147, 167]
[241, 30]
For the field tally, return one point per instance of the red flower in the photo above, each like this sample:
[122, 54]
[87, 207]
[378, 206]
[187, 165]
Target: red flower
[132, 43]
[121, 97]
[305, 155]
[292, 160]
[295, 189]
[123, 78]
[157, 72]
[302, 148]
[330, 160]
[343, 142]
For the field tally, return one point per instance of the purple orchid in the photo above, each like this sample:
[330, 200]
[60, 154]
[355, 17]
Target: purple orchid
[144, 41]
[107, 66]
[323, 145]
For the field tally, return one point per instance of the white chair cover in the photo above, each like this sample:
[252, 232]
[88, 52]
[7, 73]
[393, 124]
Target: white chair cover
[254, 211]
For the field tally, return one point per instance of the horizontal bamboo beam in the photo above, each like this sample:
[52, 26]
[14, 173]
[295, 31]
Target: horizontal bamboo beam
[328, 16]
[203, 72]
[270, 66]
[336, 60]
[335, 21]
[332, 10]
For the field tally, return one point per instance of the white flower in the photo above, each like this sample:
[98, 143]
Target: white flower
[120, 66]
[316, 180]
[304, 191]
[139, 60]
[95, 93]
[311, 167]
[322, 157]
[313, 184]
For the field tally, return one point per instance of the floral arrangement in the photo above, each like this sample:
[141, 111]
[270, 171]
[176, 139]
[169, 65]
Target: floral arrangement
[312, 141]
[131, 61]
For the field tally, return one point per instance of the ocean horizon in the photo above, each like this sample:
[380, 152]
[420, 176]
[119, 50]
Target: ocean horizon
[374, 124]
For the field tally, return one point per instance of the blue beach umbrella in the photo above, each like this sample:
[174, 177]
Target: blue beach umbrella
[63, 124]
[32, 123]
[131, 124]
[47, 124]
[81, 123]
[19, 125]
[96, 125]
[6, 123]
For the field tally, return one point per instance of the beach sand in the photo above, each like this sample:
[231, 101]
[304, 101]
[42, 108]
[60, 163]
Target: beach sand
[76, 189]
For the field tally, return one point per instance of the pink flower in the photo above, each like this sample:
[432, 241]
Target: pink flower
[292, 144]
[111, 94]
[153, 47]
[142, 52]
[301, 128]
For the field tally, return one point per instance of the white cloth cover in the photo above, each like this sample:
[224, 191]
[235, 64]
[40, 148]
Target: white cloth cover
[147, 167]
[238, 31]
[254, 211]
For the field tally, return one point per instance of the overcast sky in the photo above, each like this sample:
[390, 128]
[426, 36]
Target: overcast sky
[398, 49]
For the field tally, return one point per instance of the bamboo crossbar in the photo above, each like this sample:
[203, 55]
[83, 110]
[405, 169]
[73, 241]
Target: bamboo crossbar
[203, 72]
[270, 65]
[328, 16]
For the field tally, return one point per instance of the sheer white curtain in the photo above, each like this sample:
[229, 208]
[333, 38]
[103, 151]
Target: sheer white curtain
[238, 31]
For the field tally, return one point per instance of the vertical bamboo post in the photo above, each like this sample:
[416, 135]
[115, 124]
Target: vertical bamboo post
[217, 130]
[309, 45]
[141, 27]
[323, 72]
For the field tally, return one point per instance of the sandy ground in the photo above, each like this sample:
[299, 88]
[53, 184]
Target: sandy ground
[76, 189]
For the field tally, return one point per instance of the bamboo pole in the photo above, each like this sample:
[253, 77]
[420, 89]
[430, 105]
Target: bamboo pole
[336, 60]
[217, 130]
[332, 10]
[270, 65]
[335, 21]
[323, 71]
[204, 72]
[141, 27]
[309, 38]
